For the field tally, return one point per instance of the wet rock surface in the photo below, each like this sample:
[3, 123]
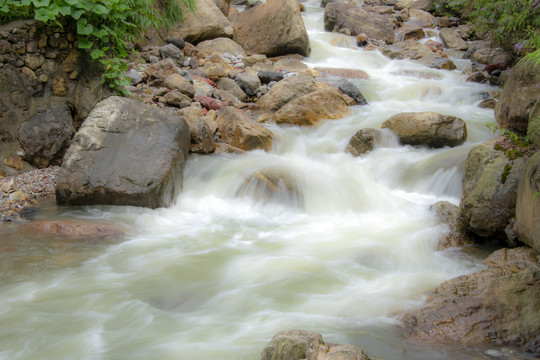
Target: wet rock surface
[427, 128]
[498, 305]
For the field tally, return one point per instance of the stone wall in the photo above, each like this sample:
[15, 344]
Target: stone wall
[40, 66]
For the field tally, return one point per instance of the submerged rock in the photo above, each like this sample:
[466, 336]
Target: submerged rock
[448, 214]
[499, 305]
[428, 128]
[125, 153]
[363, 141]
[77, 229]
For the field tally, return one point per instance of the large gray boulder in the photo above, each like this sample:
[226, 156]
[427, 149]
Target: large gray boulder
[349, 18]
[427, 128]
[520, 93]
[490, 182]
[46, 136]
[125, 153]
[499, 305]
[273, 28]
[528, 204]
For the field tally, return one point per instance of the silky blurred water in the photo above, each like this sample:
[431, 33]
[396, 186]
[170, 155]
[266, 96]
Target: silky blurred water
[340, 245]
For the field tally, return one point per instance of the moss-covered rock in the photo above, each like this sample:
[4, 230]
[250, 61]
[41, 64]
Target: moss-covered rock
[490, 182]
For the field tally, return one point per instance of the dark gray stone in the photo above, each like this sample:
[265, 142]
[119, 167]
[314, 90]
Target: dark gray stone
[267, 77]
[125, 153]
[248, 83]
[179, 43]
[348, 88]
[46, 135]
[172, 52]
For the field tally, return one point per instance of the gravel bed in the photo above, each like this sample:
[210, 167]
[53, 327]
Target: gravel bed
[20, 192]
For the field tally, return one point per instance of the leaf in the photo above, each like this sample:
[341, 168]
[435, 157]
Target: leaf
[100, 9]
[76, 14]
[83, 28]
[45, 14]
[97, 53]
[85, 43]
[41, 3]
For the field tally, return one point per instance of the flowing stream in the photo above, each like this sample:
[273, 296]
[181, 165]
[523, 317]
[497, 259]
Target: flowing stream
[342, 248]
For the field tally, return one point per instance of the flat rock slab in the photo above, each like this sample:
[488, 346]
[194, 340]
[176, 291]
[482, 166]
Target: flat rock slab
[125, 153]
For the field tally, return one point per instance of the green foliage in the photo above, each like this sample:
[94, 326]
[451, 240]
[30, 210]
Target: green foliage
[512, 23]
[104, 27]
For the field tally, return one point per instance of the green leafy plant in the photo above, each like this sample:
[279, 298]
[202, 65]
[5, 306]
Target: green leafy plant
[512, 23]
[104, 27]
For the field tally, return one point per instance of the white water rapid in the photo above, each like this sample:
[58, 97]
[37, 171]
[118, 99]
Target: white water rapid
[342, 251]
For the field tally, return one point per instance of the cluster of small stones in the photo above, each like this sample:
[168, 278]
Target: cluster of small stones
[19, 192]
[205, 88]
[36, 50]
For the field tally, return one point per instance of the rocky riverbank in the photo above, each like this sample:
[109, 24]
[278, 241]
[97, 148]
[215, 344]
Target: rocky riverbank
[217, 93]
[19, 193]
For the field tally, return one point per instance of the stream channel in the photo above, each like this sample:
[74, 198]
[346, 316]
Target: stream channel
[343, 250]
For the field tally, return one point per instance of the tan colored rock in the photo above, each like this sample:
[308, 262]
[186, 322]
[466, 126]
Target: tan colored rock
[34, 62]
[528, 204]
[28, 72]
[202, 133]
[208, 22]
[343, 73]
[223, 148]
[159, 71]
[285, 91]
[224, 6]
[427, 20]
[238, 130]
[363, 141]
[452, 39]
[410, 31]
[180, 83]
[427, 128]
[311, 108]
[414, 50]
[307, 345]
[272, 28]
[499, 305]
[350, 19]
[14, 161]
[520, 93]
[220, 46]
